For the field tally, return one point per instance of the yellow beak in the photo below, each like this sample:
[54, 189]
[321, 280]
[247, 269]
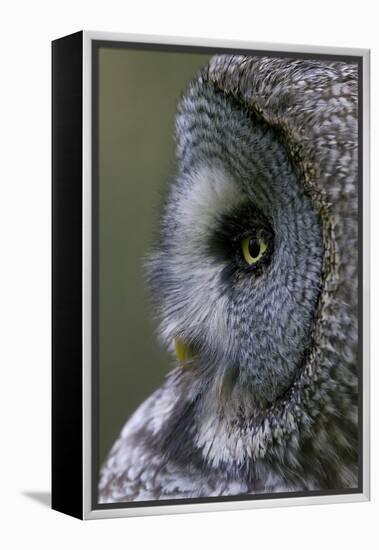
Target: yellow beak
[183, 352]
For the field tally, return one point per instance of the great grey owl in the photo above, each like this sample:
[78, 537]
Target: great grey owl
[254, 281]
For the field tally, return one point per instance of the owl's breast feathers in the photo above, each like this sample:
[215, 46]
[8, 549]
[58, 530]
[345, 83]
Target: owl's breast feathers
[163, 450]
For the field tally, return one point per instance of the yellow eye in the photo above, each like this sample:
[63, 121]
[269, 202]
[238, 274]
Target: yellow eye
[253, 248]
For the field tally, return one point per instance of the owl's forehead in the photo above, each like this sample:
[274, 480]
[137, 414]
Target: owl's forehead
[227, 156]
[207, 193]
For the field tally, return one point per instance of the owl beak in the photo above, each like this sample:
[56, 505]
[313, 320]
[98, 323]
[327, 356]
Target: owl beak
[183, 352]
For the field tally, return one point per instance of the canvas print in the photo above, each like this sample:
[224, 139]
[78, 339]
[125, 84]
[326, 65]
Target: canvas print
[227, 254]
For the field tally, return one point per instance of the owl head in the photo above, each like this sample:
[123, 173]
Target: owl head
[253, 275]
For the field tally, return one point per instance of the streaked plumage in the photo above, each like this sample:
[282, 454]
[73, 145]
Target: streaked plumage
[268, 400]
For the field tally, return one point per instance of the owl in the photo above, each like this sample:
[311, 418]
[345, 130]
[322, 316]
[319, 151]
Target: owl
[253, 280]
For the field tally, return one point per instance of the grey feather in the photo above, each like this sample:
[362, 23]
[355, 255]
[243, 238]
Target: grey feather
[269, 401]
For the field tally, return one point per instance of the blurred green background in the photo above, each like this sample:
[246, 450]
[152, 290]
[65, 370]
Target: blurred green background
[138, 95]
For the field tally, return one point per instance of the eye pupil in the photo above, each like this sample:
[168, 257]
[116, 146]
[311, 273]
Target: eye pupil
[254, 247]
